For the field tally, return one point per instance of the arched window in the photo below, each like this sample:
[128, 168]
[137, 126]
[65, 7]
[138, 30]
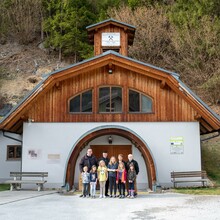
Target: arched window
[81, 102]
[139, 102]
[110, 99]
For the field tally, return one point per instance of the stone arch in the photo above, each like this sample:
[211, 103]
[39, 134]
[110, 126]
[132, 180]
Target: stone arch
[150, 166]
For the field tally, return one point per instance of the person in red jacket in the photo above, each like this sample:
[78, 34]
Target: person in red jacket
[121, 179]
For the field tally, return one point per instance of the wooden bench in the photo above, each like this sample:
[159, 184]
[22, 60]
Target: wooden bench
[24, 178]
[195, 176]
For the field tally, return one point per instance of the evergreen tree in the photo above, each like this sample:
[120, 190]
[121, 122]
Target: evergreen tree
[65, 27]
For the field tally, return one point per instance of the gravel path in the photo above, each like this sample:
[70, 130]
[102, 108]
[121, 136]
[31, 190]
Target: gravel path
[167, 206]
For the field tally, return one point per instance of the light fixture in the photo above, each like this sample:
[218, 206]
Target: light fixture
[110, 71]
[110, 68]
[30, 120]
[110, 139]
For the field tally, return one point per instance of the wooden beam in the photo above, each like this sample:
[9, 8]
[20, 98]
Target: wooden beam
[163, 84]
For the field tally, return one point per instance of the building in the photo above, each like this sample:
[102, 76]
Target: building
[145, 110]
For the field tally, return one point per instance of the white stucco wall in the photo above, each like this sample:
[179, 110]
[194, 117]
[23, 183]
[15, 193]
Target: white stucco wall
[7, 166]
[58, 140]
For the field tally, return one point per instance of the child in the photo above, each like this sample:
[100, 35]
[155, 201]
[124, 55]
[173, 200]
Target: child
[112, 168]
[85, 181]
[121, 179]
[102, 176]
[131, 179]
[93, 181]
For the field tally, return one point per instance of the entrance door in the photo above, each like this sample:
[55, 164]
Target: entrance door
[113, 150]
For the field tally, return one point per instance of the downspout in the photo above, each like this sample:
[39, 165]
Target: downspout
[15, 139]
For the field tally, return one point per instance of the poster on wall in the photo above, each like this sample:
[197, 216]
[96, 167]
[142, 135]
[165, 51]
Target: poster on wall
[34, 154]
[53, 158]
[176, 145]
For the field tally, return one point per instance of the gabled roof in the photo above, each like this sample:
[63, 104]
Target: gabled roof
[207, 117]
[107, 21]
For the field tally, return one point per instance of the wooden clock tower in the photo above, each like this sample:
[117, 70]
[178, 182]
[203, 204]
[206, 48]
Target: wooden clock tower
[111, 35]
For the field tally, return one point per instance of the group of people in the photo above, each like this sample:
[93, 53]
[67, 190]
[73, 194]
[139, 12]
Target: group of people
[111, 174]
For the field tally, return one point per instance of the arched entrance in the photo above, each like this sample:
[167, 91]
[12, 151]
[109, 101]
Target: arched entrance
[111, 131]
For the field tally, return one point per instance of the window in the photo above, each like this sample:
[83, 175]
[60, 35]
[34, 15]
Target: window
[81, 102]
[110, 99]
[13, 152]
[139, 102]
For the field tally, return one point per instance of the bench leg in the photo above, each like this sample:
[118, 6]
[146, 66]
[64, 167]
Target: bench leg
[11, 187]
[39, 187]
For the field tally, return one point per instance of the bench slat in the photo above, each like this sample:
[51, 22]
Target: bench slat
[29, 174]
[185, 181]
[26, 181]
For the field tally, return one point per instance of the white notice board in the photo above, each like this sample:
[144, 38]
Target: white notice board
[176, 145]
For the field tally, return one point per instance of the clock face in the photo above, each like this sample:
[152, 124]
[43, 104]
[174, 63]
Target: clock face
[111, 39]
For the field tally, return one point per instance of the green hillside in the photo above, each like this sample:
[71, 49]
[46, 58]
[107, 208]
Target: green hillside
[211, 159]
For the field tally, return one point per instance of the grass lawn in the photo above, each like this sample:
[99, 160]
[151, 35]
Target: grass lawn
[4, 187]
[198, 191]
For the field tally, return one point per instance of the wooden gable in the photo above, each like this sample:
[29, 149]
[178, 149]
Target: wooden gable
[171, 101]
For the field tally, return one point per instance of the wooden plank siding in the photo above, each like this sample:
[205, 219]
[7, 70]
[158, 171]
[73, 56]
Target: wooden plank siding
[112, 29]
[171, 102]
[53, 105]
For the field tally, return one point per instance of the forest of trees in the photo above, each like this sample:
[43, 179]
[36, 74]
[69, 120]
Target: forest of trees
[179, 35]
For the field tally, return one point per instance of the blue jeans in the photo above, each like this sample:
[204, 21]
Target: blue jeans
[85, 189]
[92, 188]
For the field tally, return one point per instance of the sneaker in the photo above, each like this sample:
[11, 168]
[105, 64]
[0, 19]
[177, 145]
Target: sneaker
[128, 196]
[107, 195]
[114, 196]
[132, 197]
[110, 196]
[100, 196]
[120, 197]
[104, 197]
[81, 196]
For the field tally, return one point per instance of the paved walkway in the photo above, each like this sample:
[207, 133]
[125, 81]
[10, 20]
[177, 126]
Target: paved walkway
[31, 205]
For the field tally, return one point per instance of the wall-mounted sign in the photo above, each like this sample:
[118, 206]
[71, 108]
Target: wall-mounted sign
[34, 154]
[111, 39]
[53, 158]
[176, 145]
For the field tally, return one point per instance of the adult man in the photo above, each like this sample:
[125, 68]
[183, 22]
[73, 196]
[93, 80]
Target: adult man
[106, 160]
[88, 160]
[136, 167]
